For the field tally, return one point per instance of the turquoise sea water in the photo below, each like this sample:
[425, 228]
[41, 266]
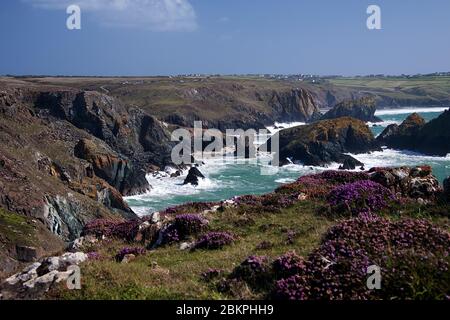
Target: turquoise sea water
[226, 179]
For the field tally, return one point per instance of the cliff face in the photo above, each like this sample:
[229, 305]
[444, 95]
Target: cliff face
[326, 141]
[68, 156]
[362, 109]
[431, 138]
[219, 103]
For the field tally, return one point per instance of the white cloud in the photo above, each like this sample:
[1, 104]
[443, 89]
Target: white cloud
[156, 15]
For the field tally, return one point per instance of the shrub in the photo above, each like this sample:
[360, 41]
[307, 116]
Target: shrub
[318, 186]
[137, 251]
[93, 255]
[271, 202]
[288, 264]
[183, 226]
[211, 274]
[255, 271]
[196, 207]
[359, 197]
[342, 177]
[214, 240]
[413, 256]
[112, 228]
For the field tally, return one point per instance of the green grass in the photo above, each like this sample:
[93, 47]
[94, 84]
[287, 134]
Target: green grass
[16, 229]
[169, 273]
[177, 275]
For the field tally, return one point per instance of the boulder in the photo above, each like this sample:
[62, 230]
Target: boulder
[128, 258]
[362, 109]
[147, 233]
[193, 176]
[416, 183]
[37, 278]
[26, 254]
[118, 171]
[325, 141]
[432, 138]
[350, 163]
[447, 188]
[403, 135]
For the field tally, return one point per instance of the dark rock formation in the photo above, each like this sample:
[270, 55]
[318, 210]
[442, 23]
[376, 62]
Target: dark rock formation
[193, 176]
[416, 183]
[225, 106]
[350, 164]
[116, 170]
[326, 141]
[403, 135]
[362, 109]
[128, 131]
[414, 134]
[296, 105]
[447, 188]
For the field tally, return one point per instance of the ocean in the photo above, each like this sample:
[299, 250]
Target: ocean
[226, 179]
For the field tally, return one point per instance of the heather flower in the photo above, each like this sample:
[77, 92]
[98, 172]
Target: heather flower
[111, 228]
[271, 202]
[317, 186]
[214, 240]
[183, 226]
[288, 264]
[137, 251]
[191, 207]
[93, 255]
[363, 196]
[413, 256]
[254, 270]
[292, 288]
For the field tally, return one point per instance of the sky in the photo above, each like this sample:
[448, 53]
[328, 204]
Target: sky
[169, 37]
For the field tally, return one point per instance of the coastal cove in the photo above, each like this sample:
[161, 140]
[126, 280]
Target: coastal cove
[226, 179]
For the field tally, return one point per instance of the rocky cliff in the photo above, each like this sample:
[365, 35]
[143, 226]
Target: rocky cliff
[326, 141]
[68, 156]
[415, 134]
[362, 109]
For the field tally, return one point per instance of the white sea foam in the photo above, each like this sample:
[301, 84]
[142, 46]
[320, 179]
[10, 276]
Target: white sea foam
[390, 157]
[226, 177]
[284, 180]
[278, 126]
[383, 123]
[383, 112]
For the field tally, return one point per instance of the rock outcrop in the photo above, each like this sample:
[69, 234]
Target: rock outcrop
[362, 109]
[193, 176]
[414, 134]
[416, 182]
[403, 135]
[36, 279]
[128, 131]
[68, 156]
[118, 171]
[447, 188]
[326, 141]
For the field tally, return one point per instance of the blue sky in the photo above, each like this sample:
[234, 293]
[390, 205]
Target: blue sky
[160, 37]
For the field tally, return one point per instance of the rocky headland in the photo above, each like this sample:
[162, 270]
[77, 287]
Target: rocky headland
[362, 109]
[432, 138]
[326, 141]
